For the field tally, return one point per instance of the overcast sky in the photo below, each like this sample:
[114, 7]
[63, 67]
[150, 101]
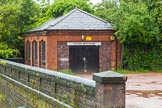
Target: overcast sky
[95, 1]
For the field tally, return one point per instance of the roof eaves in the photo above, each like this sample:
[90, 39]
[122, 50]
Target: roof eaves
[79, 29]
[39, 28]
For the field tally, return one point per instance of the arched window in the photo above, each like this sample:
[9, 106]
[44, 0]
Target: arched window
[34, 53]
[42, 54]
[28, 51]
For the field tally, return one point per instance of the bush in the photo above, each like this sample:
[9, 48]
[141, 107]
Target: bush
[142, 57]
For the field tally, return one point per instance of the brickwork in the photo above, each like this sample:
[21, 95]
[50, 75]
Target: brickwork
[108, 51]
[63, 55]
[109, 91]
[119, 54]
[108, 86]
[16, 96]
[105, 56]
[113, 55]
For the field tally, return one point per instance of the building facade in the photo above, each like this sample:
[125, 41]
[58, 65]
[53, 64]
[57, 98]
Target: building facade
[78, 41]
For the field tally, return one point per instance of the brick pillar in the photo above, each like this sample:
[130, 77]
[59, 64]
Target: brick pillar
[110, 89]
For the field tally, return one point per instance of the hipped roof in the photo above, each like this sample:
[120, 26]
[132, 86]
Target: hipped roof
[75, 20]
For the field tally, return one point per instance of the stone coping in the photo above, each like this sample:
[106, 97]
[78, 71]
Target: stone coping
[109, 77]
[68, 77]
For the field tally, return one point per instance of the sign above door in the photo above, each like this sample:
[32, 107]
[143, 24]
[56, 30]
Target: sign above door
[83, 43]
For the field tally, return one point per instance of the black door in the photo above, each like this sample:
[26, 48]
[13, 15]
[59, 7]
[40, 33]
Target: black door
[84, 58]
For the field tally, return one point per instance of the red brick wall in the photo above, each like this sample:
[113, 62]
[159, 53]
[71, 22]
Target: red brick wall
[53, 37]
[62, 53]
[105, 56]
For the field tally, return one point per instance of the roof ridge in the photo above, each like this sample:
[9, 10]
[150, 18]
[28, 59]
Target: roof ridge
[92, 15]
[63, 17]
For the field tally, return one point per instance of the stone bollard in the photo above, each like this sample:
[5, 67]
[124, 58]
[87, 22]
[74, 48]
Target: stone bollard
[110, 89]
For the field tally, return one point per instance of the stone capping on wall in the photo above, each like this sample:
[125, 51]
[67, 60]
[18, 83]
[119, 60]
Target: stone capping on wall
[109, 77]
[68, 77]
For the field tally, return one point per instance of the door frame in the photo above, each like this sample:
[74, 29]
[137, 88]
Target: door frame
[82, 44]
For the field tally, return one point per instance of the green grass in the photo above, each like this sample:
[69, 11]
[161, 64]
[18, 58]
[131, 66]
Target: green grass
[67, 71]
[2, 97]
[137, 71]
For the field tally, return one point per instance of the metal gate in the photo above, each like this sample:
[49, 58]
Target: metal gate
[84, 58]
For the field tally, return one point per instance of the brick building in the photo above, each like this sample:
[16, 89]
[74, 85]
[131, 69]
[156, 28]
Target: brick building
[78, 41]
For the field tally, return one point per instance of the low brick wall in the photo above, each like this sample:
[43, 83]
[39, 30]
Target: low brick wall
[28, 86]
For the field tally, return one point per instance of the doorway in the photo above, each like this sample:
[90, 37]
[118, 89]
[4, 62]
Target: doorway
[84, 58]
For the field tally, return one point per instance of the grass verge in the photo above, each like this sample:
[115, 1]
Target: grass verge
[137, 71]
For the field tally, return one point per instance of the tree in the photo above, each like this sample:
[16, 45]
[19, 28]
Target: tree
[16, 17]
[6, 52]
[138, 27]
[6, 29]
[132, 21]
[61, 7]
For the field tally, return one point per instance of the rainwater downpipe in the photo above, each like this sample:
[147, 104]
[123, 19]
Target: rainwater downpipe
[116, 54]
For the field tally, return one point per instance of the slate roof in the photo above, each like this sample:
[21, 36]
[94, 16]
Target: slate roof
[75, 20]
